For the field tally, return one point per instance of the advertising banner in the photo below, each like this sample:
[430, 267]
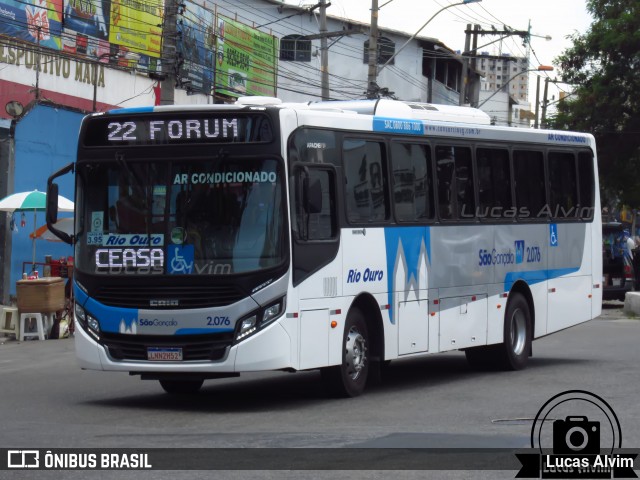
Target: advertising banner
[37, 21]
[137, 25]
[196, 46]
[246, 60]
[87, 17]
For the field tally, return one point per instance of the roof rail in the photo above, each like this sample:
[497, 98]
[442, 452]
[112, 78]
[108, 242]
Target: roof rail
[404, 109]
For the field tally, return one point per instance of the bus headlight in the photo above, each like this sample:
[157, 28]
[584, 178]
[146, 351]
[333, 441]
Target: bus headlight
[93, 323]
[259, 319]
[87, 321]
[271, 313]
[247, 327]
[80, 314]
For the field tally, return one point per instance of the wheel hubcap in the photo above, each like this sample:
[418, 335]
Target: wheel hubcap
[518, 331]
[355, 357]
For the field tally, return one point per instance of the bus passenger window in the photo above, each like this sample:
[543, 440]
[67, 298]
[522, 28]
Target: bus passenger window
[456, 198]
[563, 188]
[366, 181]
[494, 182]
[528, 174]
[585, 174]
[412, 185]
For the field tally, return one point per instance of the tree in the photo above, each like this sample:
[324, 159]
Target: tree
[604, 67]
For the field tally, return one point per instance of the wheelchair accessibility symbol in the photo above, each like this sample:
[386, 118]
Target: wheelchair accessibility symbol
[553, 235]
[180, 259]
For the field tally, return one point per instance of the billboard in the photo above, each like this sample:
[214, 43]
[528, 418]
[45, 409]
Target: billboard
[37, 21]
[137, 25]
[245, 60]
[196, 46]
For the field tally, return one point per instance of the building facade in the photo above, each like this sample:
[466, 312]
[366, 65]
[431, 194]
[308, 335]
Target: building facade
[504, 89]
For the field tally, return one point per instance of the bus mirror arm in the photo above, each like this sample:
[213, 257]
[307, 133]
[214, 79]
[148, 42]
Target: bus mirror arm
[52, 204]
[303, 186]
[310, 197]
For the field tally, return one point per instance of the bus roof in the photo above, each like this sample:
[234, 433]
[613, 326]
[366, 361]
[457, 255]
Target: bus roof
[395, 116]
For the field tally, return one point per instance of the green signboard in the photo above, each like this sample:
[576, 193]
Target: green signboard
[246, 60]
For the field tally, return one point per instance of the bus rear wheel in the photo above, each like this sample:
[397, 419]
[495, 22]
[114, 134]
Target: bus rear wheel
[350, 378]
[513, 352]
[181, 387]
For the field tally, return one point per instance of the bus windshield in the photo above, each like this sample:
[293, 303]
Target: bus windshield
[202, 217]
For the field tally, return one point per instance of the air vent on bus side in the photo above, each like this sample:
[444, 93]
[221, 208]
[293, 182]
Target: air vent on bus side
[149, 297]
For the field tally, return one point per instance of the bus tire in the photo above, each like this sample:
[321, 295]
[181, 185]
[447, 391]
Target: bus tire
[513, 353]
[350, 378]
[181, 387]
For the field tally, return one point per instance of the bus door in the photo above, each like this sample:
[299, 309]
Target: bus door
[316, 270]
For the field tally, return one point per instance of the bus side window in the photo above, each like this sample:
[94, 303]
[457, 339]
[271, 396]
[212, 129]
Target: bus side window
[494, 182]
[585, 180]
[319, 221]
[563, 184]
[366, 181]
[456, 198]
[412, 186]
[528, 175]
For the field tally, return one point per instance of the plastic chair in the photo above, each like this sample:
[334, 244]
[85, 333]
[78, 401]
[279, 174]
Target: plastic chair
[9, 322]
[43, 325]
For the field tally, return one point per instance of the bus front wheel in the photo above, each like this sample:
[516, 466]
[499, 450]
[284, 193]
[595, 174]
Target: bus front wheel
[350, 378]
[181, 386]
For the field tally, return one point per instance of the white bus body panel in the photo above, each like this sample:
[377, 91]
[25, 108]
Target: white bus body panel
[268, 349]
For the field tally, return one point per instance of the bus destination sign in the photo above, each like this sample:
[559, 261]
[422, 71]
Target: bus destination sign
[118, 130]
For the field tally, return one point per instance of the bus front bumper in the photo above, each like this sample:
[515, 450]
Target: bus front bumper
[269, 349]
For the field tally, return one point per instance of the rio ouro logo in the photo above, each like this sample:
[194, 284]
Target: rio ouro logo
[576, 434]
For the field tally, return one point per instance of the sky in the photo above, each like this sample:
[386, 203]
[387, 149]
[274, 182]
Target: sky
[555, 18]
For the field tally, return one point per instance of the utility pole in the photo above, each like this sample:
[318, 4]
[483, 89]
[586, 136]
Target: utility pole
[465, 67]
[169, 35]
[474, 87]
[372, 86]
[324, 52]
[543, 121]
[38, 66]
[535, 122]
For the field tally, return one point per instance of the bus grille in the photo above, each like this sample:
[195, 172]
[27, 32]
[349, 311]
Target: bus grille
[131, 296]
[194, 347]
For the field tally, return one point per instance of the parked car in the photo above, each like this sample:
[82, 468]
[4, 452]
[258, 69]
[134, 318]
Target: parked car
[618, 266]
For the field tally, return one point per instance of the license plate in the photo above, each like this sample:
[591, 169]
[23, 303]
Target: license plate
[172, 354]
[616, 282]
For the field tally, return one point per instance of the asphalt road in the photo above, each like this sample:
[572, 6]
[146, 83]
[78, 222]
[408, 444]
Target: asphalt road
[434, 402]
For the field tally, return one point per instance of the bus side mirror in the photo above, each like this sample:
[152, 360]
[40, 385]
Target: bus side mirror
[52, 203]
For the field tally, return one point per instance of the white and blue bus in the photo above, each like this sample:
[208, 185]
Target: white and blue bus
[219, 239]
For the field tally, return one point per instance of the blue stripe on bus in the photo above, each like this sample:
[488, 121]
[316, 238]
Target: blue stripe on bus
[78, 294]
[119, 111]
[536, 276]
[395, 125]
[411, 239]
[110, 318]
